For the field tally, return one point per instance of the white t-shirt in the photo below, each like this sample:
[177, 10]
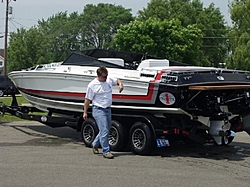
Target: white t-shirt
[100, 93]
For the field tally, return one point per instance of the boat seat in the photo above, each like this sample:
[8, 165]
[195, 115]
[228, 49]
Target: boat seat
[153, 64]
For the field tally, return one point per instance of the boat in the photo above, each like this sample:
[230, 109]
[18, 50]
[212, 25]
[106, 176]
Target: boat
[210, 99]
[63, 86]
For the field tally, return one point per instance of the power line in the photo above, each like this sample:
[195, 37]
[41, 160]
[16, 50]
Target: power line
[14, 25]
[12, 20]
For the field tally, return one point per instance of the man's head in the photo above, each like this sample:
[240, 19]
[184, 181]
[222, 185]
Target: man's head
[102, 73]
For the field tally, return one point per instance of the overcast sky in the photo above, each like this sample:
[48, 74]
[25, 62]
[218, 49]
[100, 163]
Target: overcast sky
[26, 13]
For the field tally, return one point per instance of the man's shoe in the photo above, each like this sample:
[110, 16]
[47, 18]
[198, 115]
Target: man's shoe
[95, 150]
[108, 155]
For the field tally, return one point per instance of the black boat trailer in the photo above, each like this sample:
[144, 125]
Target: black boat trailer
[130, 130]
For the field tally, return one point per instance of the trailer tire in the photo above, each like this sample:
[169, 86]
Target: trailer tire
[89, 131]
[141, 139]
[117, 137]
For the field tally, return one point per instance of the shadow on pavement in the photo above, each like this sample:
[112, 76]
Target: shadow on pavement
[236, 151]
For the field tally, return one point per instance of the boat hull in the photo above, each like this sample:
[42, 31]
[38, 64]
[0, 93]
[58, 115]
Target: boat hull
[198, 93]
[66, 91]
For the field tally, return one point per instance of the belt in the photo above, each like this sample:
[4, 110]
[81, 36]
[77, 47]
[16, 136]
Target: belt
[100, 107]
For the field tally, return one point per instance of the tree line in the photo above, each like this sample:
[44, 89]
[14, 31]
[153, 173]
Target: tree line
[180, 30]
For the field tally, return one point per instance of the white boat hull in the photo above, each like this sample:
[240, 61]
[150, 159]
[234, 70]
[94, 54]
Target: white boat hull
[67, 90]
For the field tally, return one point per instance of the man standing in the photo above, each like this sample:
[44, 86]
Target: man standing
[99, 91]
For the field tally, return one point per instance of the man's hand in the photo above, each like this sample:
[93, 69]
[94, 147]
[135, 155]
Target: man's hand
[120, 87]
[85, 116]
[86, 106]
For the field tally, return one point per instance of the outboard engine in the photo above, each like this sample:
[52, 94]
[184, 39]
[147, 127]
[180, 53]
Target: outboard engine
[220, 130]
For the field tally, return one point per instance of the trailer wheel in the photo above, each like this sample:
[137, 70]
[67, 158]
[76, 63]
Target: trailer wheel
[89, 131]
[141, 139]
[117, 137]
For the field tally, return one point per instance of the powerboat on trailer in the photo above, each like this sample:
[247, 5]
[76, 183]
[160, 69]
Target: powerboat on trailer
[64, 86]
[216, 100]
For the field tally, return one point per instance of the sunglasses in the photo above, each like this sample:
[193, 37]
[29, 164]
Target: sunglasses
[104, 77]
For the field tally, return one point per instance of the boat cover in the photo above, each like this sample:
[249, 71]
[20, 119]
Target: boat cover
[90, 58]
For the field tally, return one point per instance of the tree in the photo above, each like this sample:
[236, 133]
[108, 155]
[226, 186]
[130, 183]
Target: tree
[166, 39]
[52, 40]
[168, 9]
[240, 35]
[100, 22]
[209, 20]
[26, 49]
[62, 32]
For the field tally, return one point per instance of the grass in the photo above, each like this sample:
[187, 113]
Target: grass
[7, 101]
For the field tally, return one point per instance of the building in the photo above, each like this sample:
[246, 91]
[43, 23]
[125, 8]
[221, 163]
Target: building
[1, 61]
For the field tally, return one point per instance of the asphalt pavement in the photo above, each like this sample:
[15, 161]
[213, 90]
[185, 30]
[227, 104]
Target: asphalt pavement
[32, 154]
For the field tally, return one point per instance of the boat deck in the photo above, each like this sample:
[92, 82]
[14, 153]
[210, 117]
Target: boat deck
[221, 87]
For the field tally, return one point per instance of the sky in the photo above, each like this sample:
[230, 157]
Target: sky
[26, 13]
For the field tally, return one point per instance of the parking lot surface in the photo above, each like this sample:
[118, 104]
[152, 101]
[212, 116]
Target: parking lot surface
[32, 154]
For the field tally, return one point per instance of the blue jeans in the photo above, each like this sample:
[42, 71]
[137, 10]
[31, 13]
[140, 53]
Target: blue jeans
[102, 117]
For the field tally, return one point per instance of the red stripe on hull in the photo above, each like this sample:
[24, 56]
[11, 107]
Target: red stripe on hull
[41, 92]
[70, 94]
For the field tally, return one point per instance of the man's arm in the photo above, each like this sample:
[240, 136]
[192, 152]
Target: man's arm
[86, 106]
[119, 83]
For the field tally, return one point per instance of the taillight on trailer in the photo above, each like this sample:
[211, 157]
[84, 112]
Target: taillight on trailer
[185, 133]
[165, 132]
[176, 131]
[239, 128]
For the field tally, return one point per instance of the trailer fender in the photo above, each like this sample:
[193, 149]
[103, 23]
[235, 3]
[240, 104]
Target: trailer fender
[79, 124]
[152, 124]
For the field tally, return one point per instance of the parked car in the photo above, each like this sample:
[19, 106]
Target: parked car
[7, 87]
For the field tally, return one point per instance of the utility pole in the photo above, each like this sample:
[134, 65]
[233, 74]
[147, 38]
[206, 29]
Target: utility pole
[6, 37]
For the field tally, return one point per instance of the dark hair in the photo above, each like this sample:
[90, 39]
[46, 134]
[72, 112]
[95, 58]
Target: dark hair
[101, 70]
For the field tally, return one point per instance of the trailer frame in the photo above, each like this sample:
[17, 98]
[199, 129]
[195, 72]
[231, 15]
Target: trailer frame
[140, 132]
